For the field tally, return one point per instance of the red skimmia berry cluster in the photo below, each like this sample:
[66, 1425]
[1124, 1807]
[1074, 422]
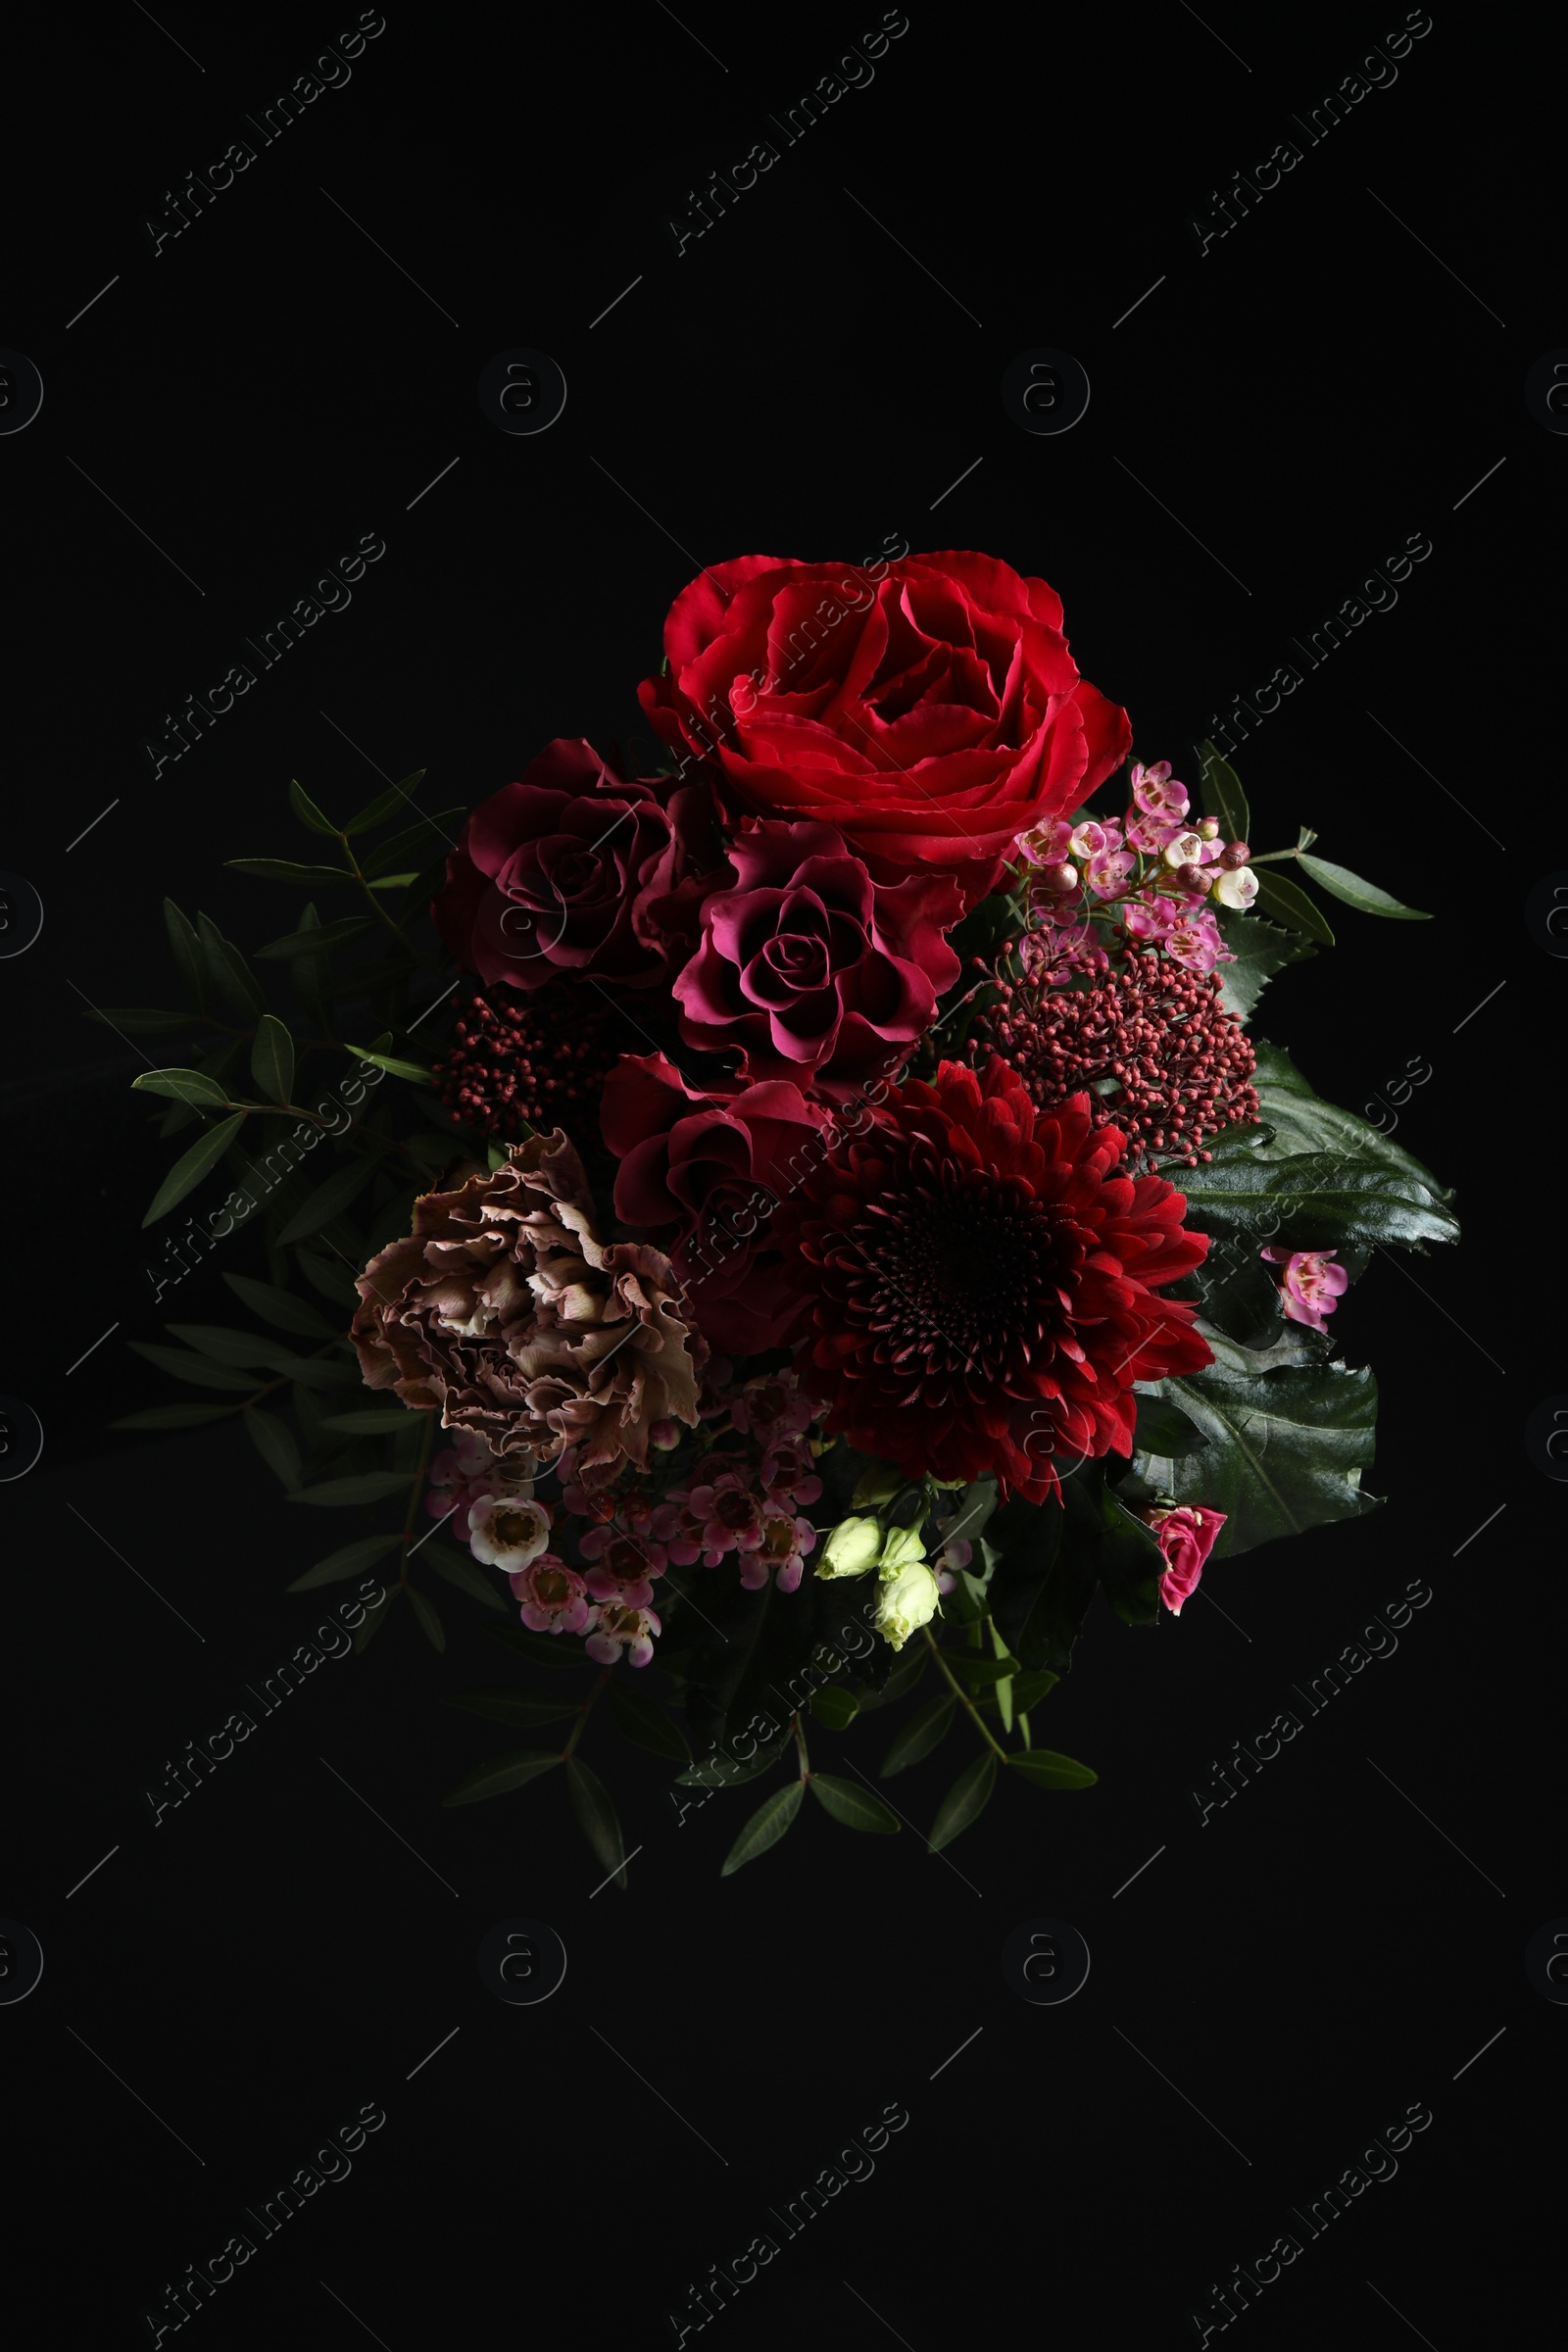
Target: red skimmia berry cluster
[1181, 1064]
[519, 1061]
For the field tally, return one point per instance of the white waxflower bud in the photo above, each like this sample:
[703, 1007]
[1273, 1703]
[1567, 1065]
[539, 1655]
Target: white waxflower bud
[1186, 849]
[1236, 886]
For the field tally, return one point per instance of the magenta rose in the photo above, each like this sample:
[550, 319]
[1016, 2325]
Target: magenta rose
[809, 970]
[1186, 1537]
[705, 1173]
[561, 874]
[928, 707]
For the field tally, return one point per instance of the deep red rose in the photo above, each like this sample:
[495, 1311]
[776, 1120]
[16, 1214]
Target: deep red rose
[929, 709]
[559, 875]
[706, 1174]
[811, 970]
[983, 1285]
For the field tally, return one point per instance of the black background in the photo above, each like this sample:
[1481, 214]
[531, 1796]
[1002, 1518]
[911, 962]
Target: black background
[1279, 1984]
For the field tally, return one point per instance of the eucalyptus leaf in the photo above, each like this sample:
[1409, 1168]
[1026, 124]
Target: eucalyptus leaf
[917, 1737]
[645, 1723]
[311, 941]
[188, 1171]
[280, 1308]
[182, 1086]
[965, 1801]
[368, 1485]
[345, 1183]
[275, 1443]
[401, 847]
[598, 1818]
[765, 1827]
[1364, 896]
[462, 1570]
[1291, 907]
[395, 1068]
[363, 1552]
[834, 1707]
[852, 1803]
[272, 1058]
[541, 1649]
[386, 804]
[976, 1668]
[187, 951]
[307, 812]
[375, 1421]
[230, 970]
[138, 1019]
[429, 1623]
[1050, 1770]
[287, 869]
[193, 1368]
[502, 1705]
[501, 1774]
[173, 1416]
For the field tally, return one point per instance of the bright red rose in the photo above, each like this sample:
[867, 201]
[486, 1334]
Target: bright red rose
[811, 972]
[567, 872]
[929, 709]
[983, 1285]
[707, 1173]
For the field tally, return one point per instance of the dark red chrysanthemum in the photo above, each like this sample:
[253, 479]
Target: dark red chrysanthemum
[517, 1062]
[984, 1285]
[1182, 1065]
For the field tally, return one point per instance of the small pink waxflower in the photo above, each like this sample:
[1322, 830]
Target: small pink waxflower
[1047, 844]
[955, 1555]
[1108, 873]
[772, 1406]
[554, 1596]
[1156, 792]
[624, 1569]
[781, 1554]
[1087, 841]
[789, 1471]
[615, 1629]
[725, 1515]
[1195, 939]
[1186, 1537]
[507, 1531]
[584, 1502]
[1151, 918]
[1310, 1286]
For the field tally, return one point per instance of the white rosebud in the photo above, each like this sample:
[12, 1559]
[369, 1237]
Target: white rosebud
[1186, 849]
[1235, 886]
[908, 1600]
[852, 1549]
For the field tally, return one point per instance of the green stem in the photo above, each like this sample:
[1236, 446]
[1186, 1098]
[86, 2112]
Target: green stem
[960, 1692]
[379, 910]
[800, 1742]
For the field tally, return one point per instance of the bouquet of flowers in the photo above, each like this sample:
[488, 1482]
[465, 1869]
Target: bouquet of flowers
[837, 1220]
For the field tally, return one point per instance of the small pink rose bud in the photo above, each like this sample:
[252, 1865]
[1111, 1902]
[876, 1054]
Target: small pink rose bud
[1234, 853]
[1208, 826]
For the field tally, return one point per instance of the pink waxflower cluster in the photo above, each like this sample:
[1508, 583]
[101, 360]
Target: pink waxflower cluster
[1162, 875]
[1311, 1285]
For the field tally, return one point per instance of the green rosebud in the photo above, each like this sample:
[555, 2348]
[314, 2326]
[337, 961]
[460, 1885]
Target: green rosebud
[908, 1600]
[852, 1549]
[903, 1550]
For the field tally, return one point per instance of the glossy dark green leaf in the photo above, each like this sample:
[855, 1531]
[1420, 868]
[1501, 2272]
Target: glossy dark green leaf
[368, 1485]
[644, 1722]
[272, 1058]
[1304, 1122]
[281, 1308]
[765, 1827]
[920, 1734]
[188, 954]
[182, 1086]
[311, 941]
[502, 1705]
[287, 869]
[329, 1198]
[230, 971]
[1286, 1449]
[834, 1707]
[1291, 906]
[275, 1442]
[173, 1416]
[597, 1819]
[1219, 788]
[307, 812]
[362, 1553]
[501, 1772]
[965, 1801]
[1164, 1430]
[1260, 950]
[429, 1623]
[853, 1805]
[193, 1165]
[1050, 1770]
[1311, 1200]
[386, 804]
[1364, 896]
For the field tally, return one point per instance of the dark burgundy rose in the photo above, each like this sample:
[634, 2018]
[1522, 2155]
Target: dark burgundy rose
[705, 1174]
[556, 875]
[928, 707]
[811, 970]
